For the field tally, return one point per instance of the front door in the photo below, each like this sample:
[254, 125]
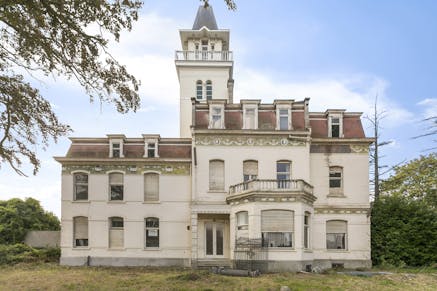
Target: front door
[214, 239]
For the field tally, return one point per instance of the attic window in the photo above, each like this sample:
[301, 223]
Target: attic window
[115, 150]
[151, 148]
[335, 127]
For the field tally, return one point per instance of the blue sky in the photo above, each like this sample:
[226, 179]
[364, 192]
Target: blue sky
[339, 53]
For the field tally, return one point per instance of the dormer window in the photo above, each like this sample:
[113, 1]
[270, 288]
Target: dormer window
[335, 125]
[151, 146]
[115, 150]
[116, 145]
[216, 117]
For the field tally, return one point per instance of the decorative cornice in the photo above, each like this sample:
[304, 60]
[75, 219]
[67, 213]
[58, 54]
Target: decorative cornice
[163, 168]
[247, 140]
[266, 198]
[330, 210]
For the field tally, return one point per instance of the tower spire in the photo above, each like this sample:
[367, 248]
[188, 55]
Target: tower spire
[205, 17]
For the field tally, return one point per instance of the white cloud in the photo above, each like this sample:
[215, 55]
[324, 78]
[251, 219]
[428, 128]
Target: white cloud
[430, 106]
[355, 93]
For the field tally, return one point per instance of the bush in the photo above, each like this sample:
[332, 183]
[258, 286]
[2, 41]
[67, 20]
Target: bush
[21, 253]
[404, 232]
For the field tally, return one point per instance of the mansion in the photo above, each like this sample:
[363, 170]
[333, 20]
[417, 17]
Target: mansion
[274, 185]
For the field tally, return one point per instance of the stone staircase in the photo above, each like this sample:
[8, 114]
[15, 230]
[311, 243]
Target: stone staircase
[209, 263]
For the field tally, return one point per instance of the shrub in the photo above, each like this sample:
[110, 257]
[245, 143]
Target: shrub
[21, 253]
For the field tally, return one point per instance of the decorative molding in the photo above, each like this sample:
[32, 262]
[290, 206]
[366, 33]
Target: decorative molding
[267, 198]
[342, 211]
[228, 140]
[164, 169]
[360, 148]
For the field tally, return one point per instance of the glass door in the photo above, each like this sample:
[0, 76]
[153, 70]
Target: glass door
[214, 239]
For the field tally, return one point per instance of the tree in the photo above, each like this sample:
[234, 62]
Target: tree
[415, 180]
[17, 217]
[375, 120]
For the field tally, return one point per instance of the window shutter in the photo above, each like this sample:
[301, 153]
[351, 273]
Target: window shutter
[151, 187]
[216, 175]
[242, 218]
[116, 238]
[336, 226]
[80, 228]
[250, 168]
[277, 221]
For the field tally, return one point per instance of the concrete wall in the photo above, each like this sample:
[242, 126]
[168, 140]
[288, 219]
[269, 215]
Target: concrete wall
[43, 238]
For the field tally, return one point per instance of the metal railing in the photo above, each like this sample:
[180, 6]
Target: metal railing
[221, 56]
[271, 185]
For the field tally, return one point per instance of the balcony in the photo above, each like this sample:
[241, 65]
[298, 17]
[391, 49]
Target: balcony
[272, 190]
[216, 56]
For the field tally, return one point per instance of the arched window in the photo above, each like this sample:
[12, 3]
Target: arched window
[152, 232]
[277, 227]
[250, 170]
[151, 187]
[80, 186]
[336, 234]
[216, 175]
[208, 90]
[199, 90]
[115, 186]
[116, 232]
[80, 231]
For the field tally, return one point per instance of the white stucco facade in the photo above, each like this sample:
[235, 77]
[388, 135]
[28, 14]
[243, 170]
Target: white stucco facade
[291, 183]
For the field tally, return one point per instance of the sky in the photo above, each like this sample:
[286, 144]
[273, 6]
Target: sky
[339, 53]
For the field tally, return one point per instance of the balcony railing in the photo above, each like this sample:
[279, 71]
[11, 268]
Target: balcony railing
[275, 186]
[220, 56]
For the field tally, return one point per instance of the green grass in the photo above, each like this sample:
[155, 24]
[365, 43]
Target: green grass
[55, 277]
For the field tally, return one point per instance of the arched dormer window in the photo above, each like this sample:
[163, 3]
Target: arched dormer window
[199, 90]
[208, 90]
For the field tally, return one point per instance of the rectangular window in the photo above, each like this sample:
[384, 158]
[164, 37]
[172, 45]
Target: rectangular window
[277, 228]
[116, 186]
[306, 231]
[335, 127]
[80, 231]
[242, 220]
[216, 175]
[152, 232]
[199, 90]
[116, 232]
[283, 119]
[116, 150]
[216, 117]
[250, 170]
[335, 178]
[208, 90]
[336, 231]
[151, 150]
[151, 187]
[80, 186]
[283, 174]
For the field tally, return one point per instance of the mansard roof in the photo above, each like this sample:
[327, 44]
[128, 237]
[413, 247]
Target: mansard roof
[205, 18]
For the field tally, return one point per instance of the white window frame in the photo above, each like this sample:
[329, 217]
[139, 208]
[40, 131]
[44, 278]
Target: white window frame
[199, 84]
[208, 89]
[109, 185]
[111, 148]
[307, 230]
[81, 184]
[147, 147]
[336, 191]
[330, 124]
[344, 233]
[86, 244]
[154, 228]
[211, 116]
[116, 228]
[279, 108]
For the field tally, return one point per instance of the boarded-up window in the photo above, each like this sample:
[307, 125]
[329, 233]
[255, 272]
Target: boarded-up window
[80, 186]
[116, 232]
[250, 170]
[336, 234]
[116, 186]
[249, 118]
[216, 175]
[151, 187]
[152, 232]
[277, 228]
[80, 231]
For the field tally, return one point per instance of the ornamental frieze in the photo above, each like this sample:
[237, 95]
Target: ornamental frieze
[341, 211]
[164, 169]
[247, 141]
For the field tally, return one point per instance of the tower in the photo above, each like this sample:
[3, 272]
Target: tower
[204, 65]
